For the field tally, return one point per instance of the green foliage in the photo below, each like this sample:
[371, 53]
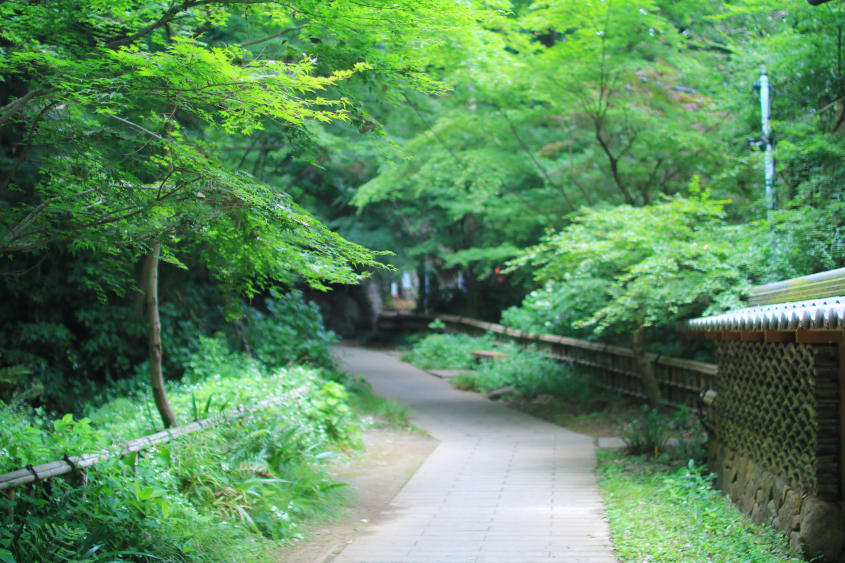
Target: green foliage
[559, 308]
[291, 331]
[447, 351]
[649, 431]
[650, 507]
[657, 264]
[226, 490]
[213, 358]
[380, 411]
[656, 96]
[691, 482]
[163, 96]
[120, 127]
[64, 359]
[646, 433]
[331, 411]
[437, 324]
[529, 372]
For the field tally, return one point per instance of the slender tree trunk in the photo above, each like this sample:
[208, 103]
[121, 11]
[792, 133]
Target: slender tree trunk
[239, 331]
[473, 295]
[422, 297]
[168, 417]
[645, 367]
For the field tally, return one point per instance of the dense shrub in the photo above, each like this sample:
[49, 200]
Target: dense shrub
[288, 330]
[69, 327]
[559, 308]
[447, 351]
[530, 372]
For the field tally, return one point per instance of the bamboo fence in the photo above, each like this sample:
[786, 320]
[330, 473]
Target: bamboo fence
[33, 474]
[682, 382]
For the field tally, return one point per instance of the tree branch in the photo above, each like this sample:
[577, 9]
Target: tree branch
[537, 164]
[139, 127]
[433, 132]
[169, 16]
[614, 167]
[10, 109]
[269, 37]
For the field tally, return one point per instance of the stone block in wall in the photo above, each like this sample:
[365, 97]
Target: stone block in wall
[790, 507]
[822, 529]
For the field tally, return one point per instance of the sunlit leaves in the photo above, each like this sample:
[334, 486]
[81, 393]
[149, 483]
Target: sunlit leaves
[662, 262]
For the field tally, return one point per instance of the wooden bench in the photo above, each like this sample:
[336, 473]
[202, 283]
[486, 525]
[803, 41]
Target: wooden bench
[488, 355]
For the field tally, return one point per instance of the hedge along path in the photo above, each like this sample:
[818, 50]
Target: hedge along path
[33, 474]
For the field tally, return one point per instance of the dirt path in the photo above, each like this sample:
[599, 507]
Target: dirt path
[389, 459]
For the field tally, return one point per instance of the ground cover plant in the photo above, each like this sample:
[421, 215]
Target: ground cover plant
[228, 493]
[659, 511]
[447, 351]
[529, 372]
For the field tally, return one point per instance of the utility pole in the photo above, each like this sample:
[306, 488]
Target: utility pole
[769, 166]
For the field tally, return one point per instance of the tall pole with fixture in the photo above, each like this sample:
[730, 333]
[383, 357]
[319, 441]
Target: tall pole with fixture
[769, 166]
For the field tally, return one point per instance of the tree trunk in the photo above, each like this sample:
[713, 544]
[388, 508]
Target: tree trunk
[645, 367]
[238, 326]
[472, 305]
[168, 417]
[422, 292]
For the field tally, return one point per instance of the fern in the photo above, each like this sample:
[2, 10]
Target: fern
[49, 541]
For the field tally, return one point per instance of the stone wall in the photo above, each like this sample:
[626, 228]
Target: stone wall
[814, 526]
[776, 441]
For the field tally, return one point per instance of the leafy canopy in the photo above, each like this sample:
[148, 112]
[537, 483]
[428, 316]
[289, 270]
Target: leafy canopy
[656, 263]
[121, 107]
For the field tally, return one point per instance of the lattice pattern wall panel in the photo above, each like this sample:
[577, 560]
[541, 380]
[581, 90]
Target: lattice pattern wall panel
[778, 404]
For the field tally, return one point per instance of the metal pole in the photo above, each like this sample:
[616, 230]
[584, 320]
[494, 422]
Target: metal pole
[765, 107]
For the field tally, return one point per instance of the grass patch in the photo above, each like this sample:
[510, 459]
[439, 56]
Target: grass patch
[375, 411]
[659, 512]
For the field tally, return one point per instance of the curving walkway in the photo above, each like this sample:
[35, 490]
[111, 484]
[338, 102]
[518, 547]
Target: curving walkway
[501, 486]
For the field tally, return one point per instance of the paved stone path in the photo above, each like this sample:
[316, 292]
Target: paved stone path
[501, 486]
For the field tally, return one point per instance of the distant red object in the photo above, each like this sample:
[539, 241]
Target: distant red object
[397, 304]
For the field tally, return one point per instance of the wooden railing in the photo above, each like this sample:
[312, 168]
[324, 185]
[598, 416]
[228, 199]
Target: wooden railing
[682, 382]
[69, 464]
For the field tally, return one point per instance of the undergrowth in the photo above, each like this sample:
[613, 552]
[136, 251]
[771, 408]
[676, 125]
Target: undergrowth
[447, 351]
[229, 493]
[527, 370]
[379, 412]
[660, 512]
